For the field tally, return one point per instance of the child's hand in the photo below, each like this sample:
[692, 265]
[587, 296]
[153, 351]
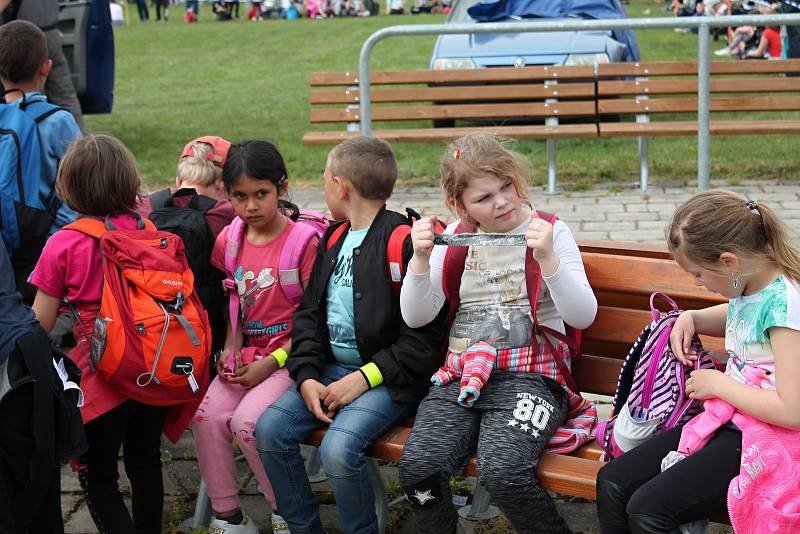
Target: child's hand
[251, 375]
[705, 383]
[344, 391]
[222, 365]
[312, 391]
[422, 236]
[680, 339]
[540, 240]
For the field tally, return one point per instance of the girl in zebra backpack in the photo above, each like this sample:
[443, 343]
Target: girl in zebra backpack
[505, 391]
[742, 454]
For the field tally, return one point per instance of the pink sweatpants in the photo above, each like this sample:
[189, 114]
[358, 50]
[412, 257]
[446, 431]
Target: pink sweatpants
[229, 412]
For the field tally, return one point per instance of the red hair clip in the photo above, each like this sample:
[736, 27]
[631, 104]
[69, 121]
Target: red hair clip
[457, 153]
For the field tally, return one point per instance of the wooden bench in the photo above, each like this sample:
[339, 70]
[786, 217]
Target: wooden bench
[623, 275]
[659, 99]
[646, 99]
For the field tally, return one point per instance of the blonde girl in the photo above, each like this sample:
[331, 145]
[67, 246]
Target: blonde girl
[501, 392]
[740, 249]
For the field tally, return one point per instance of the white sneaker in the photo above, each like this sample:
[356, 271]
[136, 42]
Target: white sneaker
[220, 526]
[722, 52]
[279, 525]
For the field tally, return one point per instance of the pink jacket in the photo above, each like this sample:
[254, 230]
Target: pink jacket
[765, 496]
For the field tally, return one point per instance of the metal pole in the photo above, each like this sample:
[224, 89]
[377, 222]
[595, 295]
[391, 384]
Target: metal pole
[703, 108]
[546, 26]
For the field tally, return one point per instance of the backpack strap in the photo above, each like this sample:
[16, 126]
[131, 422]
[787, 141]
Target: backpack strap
[394, 254]
[232, 246]
[533, 282]
[455, 259]
[46, 114]
[337, 234]
[394, 248]
[200, 202]
[300, 234]
[96, 227]
[161, 199]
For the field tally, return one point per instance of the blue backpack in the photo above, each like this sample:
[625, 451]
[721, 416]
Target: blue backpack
[26, 215]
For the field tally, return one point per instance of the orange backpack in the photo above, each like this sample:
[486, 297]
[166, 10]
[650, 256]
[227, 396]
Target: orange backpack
[151, 338]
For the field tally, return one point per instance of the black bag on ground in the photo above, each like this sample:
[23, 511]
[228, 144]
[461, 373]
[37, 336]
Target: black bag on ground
[42, 428]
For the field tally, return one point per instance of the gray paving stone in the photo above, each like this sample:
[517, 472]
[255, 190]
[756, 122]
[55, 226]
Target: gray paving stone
[637, 207]
[588, 214]
[608, 226]
[652, 225]
[582, 234]
[636, 216]
[641, 236]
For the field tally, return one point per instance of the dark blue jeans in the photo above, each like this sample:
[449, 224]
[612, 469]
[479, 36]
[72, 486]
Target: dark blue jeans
[144, 14]
[287, 422]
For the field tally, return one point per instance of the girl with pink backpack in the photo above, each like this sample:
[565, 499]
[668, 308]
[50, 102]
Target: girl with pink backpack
[741, 455]
[267, 252]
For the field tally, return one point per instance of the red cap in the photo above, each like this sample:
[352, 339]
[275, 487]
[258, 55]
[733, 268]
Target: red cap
[217, 155]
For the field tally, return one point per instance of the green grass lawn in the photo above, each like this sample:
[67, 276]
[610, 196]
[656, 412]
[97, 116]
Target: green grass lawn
[241, 79]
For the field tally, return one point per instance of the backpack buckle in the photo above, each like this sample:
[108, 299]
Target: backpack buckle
[177, 306]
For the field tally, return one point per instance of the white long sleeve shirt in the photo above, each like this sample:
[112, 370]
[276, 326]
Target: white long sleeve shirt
[494, 304]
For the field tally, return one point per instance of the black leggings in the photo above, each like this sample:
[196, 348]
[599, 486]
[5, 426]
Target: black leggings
[136, 428]
[633, 495]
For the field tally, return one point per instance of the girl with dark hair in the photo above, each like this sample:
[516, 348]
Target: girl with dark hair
[255, 179]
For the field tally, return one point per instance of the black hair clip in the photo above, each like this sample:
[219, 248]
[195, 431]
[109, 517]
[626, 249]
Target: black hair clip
[751, 205]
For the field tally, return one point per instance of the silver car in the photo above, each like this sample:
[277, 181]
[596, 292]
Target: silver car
[520, 49]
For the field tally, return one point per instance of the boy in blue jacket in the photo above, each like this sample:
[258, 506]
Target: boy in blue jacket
[24, 67]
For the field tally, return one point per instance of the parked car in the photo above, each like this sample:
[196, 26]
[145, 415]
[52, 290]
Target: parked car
[533, 48]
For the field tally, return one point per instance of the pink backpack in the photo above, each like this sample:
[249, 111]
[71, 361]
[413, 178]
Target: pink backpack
[309, 224]
[651, 394]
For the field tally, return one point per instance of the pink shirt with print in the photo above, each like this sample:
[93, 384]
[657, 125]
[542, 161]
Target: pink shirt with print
[266, 312]
[70, 265]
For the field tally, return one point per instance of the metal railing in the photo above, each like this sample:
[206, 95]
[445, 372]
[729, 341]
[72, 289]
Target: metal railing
[703, 25]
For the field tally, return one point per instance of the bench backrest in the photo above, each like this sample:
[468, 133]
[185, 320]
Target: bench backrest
[623, 275]
[457, 94]
[671, 87]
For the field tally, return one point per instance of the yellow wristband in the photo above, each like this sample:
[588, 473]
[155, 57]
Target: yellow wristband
[373, 374]
[280, 356]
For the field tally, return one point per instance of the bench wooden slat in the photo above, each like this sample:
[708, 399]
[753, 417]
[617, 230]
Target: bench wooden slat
[689, 128]
[458, 111]
[689, 105]
[561, 474]
[624, 248]
[565, 131]
[647, 275]
[501, 74]
[689, 68]
[462, 93]
[675, 87]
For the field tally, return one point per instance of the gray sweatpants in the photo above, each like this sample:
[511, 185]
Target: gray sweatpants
[508, 427]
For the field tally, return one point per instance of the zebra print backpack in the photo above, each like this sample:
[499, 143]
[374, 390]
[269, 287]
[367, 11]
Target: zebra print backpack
[651, 395]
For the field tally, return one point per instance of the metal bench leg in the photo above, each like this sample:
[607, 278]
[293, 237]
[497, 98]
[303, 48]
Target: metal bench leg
[479, 510]
[644, 142]
[552, 188]
[644, 145]
[202, 508]
[314, 468]
[381, 501]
